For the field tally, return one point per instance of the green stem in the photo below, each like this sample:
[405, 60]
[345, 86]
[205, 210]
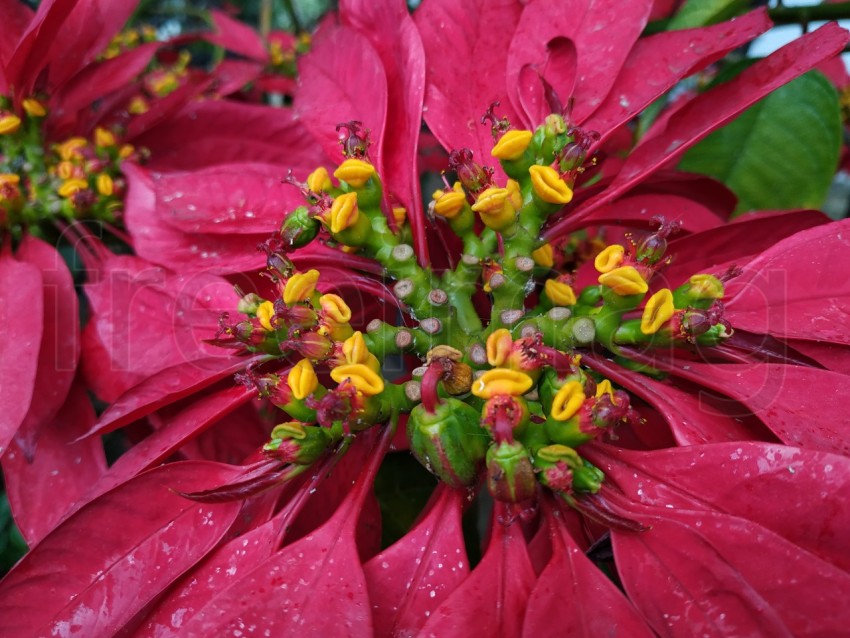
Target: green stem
[804, 15]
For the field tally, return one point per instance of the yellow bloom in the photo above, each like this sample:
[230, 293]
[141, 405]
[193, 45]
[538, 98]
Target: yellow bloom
[495, 208]
[559, 293]
[610, 258]
[567, 401]
[33, 107]
[544, 256]
[499, 345]
[549, 186]
[300, 286]
[344, 212]
[319, 180]
[657, 312]
[72, 186]
[103, 137]
[706, 287]
[105, 185]
[265, 314]
[501, 381]
[354, 172]
[512, 145]
[624, 281]
[449, 204]
[366, 380]
[9, 124]
[302, 379]
[335, 308]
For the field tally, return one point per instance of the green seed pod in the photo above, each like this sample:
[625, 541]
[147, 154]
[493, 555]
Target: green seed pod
[297, 443]
[450, 442]
[510, 475]
[299, 228]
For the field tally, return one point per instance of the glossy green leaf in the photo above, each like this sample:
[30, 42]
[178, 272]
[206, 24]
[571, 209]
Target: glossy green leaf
[700, 13]
[780, 153]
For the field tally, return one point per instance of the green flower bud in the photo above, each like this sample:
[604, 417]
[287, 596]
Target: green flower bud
[450, 442]
[510, 475]
[299, 228]
[297, 443]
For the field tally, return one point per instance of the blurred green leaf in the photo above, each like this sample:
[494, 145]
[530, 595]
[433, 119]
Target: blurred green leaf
[12, 545]
[780, 153]
[402, 487]
[700, 13]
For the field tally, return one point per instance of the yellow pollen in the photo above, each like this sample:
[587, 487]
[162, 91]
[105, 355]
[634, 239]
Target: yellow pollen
[514, 193]
[125, 151]
[544, 256]
[105, 185]
[366, 380]
[33, 107]
[501, 381]
[706, 287]
[71, 186]
[9, 124]
[300, 286]
[499, 345]
[610, 258]
[604, 387]
[354, 348]
[137, 106]
[557, 452]
[319, 180]
[265, 314]
[70, 149]
[344, 212]
[559, 293]
[302, 379]
[103, 137]
[512, 145]
[65, 170]
[567, 401]
[495, 208]
[335, 308]
[624, 280]
[449, 204]
[399, 215]
[354, 172]
[549, 186]
[657, 312]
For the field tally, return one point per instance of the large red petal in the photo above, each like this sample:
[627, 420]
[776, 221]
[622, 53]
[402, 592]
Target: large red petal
[656, 63]
[718, 106]
[391, 32]
[797, 288]
[60, 341]
[21, 331]
[598, 57]
[801, 405]
[408, 580]
[744, 479]
[236, 37]
[145, 319]
[289, 592]
[493, 599]
[573, 597]
[102, 565]
[43, 488]
[342, 79]
[465, 58]
[84, 35]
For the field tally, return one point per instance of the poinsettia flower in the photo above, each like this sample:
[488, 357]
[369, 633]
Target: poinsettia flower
[617, 419]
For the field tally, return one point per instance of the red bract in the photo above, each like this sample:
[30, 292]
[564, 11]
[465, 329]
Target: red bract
[716, 505]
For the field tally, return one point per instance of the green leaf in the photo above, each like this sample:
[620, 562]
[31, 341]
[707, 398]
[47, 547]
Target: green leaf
[700, 13]
[403, 487]
[780, 153]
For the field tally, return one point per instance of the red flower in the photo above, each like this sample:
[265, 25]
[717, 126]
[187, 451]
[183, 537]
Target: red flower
[616, 421]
